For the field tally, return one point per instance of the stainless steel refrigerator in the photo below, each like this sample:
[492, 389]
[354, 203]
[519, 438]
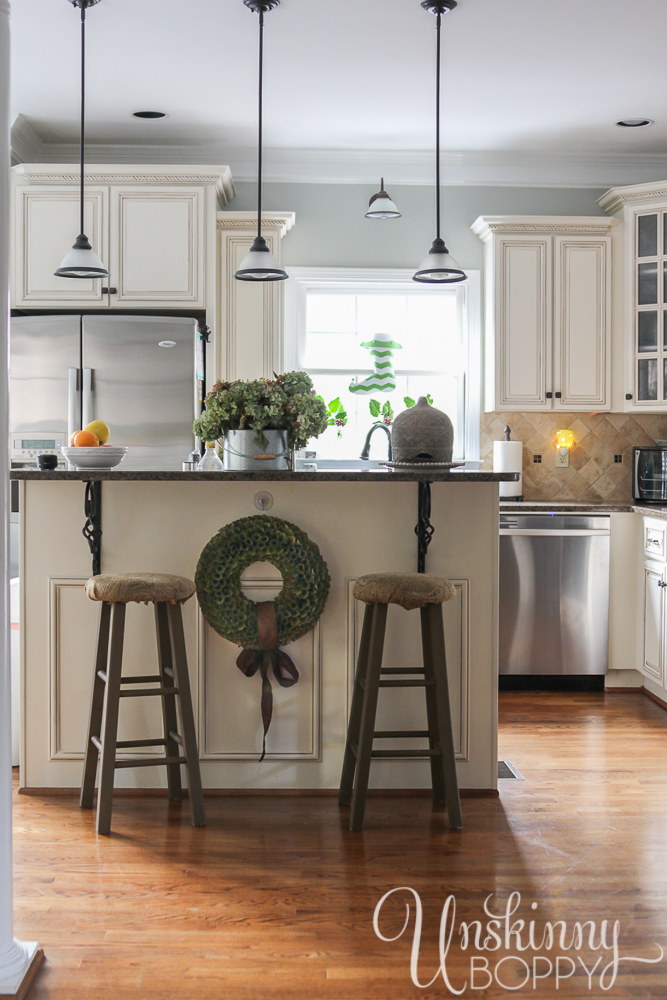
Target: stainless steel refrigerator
[142, 375]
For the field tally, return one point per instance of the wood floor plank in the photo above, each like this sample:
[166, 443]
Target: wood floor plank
[275, 897]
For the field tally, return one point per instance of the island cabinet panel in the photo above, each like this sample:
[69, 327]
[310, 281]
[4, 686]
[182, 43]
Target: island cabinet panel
[163, 526]
[548, 312]
[46, 224]
[156, 244]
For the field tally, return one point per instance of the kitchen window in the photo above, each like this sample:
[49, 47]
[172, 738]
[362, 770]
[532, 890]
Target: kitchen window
[331, 312]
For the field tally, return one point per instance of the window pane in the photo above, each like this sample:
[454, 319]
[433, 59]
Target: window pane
[331, 313]
[647, 331]
[647, 236]
[647, 381]
[647, 275]
[381, 314]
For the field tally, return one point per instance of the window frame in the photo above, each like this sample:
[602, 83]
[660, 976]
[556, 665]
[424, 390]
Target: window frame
[468, 299]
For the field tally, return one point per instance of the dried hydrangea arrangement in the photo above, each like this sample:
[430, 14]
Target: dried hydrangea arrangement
[287, 402]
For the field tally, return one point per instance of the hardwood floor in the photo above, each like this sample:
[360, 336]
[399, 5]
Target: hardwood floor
[275, 897]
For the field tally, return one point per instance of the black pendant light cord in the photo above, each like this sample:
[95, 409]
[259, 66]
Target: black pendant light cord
[259, 152]
[437, 124]
[83, 108]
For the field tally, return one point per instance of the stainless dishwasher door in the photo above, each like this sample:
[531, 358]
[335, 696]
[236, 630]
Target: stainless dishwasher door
[554, 594]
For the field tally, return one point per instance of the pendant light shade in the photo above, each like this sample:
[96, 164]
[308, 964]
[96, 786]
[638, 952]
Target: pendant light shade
[438, 267]
[82, 261]
[381, 206]
[260, 264]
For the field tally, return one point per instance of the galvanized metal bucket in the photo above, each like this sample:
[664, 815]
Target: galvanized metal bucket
[241, 453]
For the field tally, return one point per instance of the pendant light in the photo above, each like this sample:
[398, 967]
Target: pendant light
[260, 264]
[381, 206]
[439, 267]
[82, 261]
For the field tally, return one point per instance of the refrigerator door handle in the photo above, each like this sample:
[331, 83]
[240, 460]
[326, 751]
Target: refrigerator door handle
[73, 403]
[87, 414]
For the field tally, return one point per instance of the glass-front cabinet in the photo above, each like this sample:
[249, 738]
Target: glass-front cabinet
[650, 307]
[643, 208]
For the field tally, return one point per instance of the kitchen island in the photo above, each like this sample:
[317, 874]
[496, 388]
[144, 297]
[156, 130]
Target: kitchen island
[363, 522]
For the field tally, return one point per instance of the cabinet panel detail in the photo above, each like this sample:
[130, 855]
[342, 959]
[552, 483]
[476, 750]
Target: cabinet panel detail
[525, 323]
[47, 224]
[654, 578]
[156, 245]
[582, 310]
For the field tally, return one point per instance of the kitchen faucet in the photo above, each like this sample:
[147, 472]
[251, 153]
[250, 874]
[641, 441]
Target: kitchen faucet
[367, 445]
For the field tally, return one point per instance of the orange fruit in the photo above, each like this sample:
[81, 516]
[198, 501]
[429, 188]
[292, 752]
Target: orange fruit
[72, 436]
[85, 439]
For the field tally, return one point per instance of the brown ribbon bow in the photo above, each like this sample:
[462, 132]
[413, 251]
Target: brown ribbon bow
[268, 655]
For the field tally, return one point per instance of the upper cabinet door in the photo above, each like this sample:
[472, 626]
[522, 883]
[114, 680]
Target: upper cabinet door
[582, 322]
[523, 323]
[157, 246]
[46, 225]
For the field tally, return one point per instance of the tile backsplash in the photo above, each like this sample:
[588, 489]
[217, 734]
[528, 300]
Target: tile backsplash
[595, 472]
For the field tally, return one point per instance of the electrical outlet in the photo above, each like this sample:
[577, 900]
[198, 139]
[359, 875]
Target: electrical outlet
[562, 458]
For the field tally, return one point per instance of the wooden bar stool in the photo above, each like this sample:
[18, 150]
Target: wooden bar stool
[410, 591]
[167, 593]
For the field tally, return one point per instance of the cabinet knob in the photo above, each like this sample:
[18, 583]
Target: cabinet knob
[558, 395]
[628, 395]
[549, 395]
[662, 583]
[109, 291]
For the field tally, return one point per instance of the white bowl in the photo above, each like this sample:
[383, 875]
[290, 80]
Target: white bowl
[100, 458]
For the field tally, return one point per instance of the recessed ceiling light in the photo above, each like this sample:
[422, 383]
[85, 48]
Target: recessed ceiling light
[635, 123]
[149, 114]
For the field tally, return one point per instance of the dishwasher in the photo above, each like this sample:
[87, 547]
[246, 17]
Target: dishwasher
[554, 595]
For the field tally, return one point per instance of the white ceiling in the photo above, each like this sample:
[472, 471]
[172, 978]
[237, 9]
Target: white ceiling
[528, 77]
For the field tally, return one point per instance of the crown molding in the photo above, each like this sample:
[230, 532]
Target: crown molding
[282, 221]
[219, 177]
[480, 168]
[613, 201]
[486, 226]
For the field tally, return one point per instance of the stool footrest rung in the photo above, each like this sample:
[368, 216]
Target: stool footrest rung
[176, 738]
[96, 743]
[405, 754]
[170, 672]
[142, 679]
[126, 744]
[408, 683]
[150, 761]
[402, 670]
[400, 734]
[147, 692]
[102, 675]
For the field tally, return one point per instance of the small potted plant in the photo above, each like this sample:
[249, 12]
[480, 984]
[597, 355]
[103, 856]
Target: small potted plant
[261, 421]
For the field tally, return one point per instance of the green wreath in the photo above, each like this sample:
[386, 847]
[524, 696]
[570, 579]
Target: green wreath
[262, 538]
[262, 628]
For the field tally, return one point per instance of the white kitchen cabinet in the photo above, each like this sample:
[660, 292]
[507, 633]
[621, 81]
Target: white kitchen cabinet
[643, 208]
[153, 227]
[548, 312]
[653, 576]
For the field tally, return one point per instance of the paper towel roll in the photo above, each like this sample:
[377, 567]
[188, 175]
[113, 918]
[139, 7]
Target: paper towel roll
[508, 457]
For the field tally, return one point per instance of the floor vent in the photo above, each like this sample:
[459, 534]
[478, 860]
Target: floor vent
[507, 770]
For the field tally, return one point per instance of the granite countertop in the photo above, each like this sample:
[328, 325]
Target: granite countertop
[341, 476]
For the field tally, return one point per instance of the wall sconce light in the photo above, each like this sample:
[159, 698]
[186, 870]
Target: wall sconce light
[564, 441]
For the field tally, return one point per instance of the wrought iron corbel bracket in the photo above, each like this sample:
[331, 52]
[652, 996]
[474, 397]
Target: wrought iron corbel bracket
[92, 529]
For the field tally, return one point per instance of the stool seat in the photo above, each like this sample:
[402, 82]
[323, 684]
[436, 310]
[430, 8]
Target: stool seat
[409, 590]
[140, 588]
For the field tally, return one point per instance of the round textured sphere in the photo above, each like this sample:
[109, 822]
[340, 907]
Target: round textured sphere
[306, 580]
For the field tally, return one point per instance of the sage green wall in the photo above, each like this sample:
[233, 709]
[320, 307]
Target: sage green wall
[331, 230]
